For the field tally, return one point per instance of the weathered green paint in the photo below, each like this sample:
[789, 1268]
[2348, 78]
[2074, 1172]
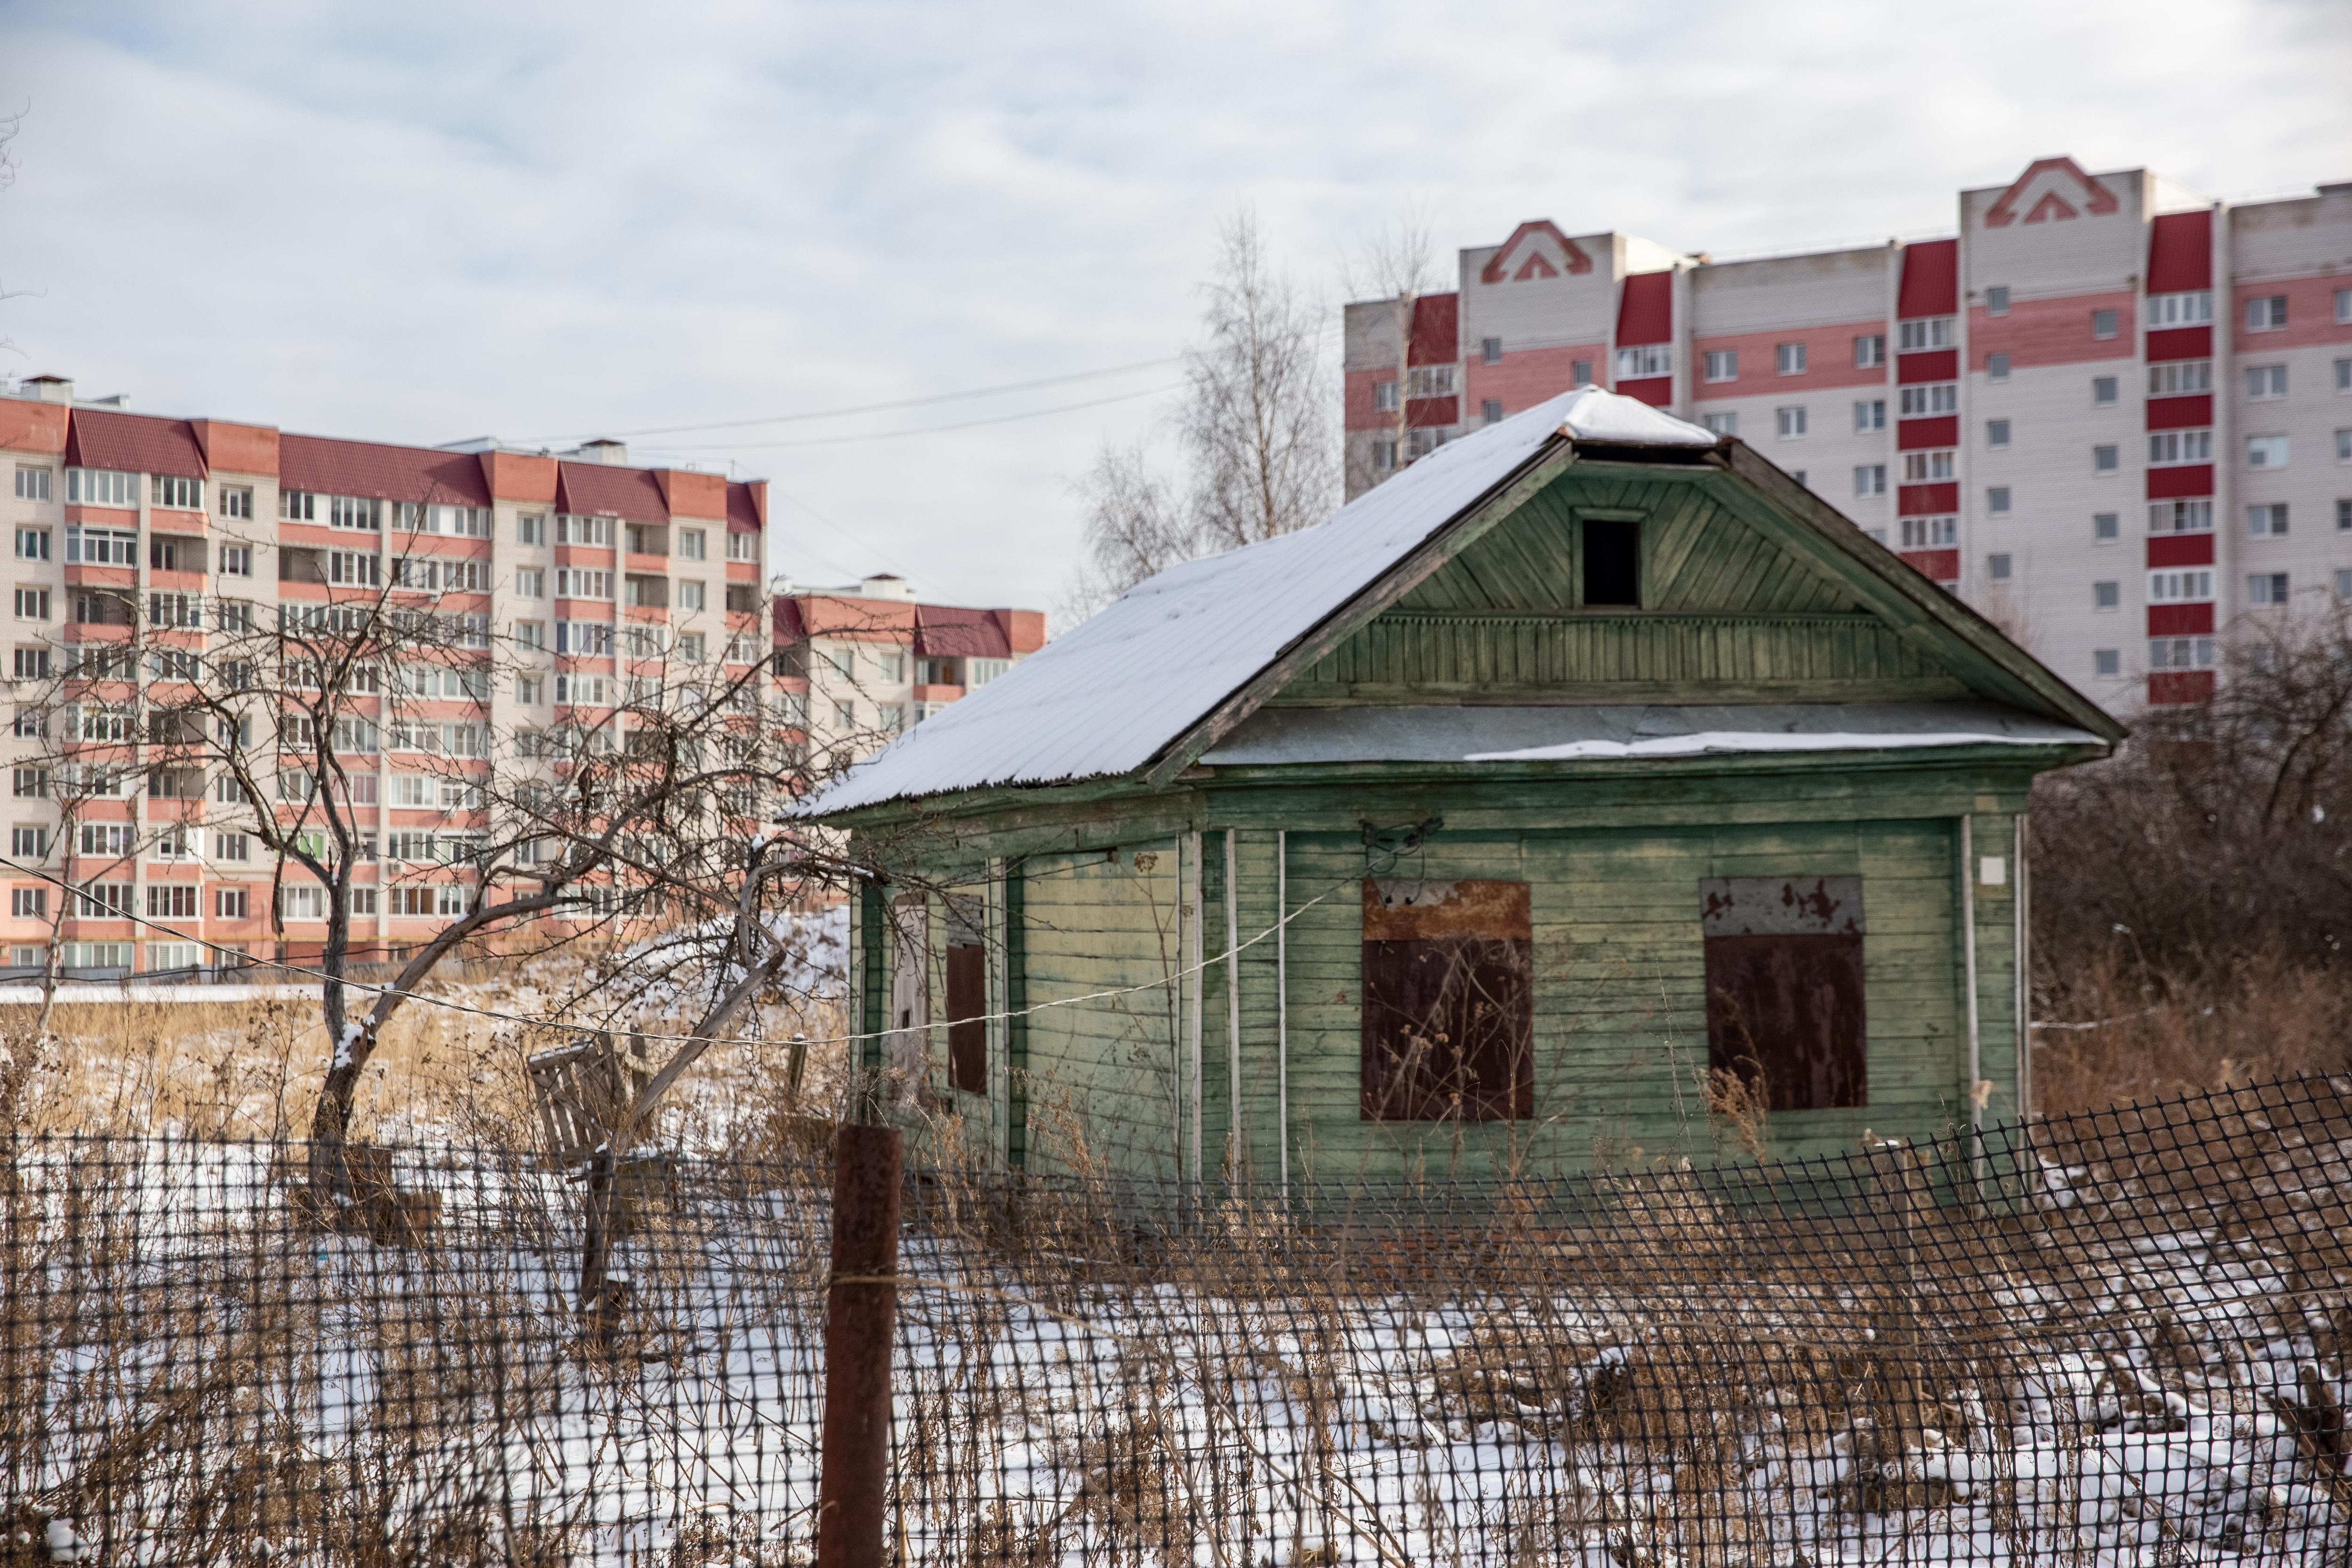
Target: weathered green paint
[1743, 601]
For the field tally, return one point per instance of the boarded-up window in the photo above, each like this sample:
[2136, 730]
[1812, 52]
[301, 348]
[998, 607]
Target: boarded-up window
[1449, 1020]
[1784, 987]
[967, 996]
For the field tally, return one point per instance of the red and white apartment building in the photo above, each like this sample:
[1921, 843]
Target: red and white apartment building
[2112, 416]
[857, 665]
[569, 560]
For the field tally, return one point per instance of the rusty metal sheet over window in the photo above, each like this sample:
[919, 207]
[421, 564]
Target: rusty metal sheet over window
[967, 978]
[1448, 1015]
[1784, 987]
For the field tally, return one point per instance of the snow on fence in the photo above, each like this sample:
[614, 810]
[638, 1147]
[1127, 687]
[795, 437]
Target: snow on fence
[2107, 1340]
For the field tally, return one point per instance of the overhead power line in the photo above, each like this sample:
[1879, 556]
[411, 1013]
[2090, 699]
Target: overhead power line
[879, 407]
[921, 429]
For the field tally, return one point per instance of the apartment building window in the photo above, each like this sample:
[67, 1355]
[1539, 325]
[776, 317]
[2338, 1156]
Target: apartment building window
[690, 544]
[1995, 367]
[31, 544]
[2343, 307]
[844, 715]
[2103, 390]
[1642, 360]
[571, 529]
[1996, 300]
[231, 903]
[1930, 532]
[28, 843]
[1929, 398]
[1384, 397]
[1581, 371]
[1869, 414]
[1789, 359]
[101, 546]
[2191, 309]
[358, 568]
[580, 582]
[2105, 324]
[1926, 332]
[2343, 445]
[2344, 516]
[2106, 661]
[236, 560]
[1869, 351]
[2177, 587]
[176, 490]
[1429, 381]
[2266, 588]
[236, 501]
[29, 724]
[2107, 527]
[31, 664]
[32, 484]
[2265, 383]
[2107, 458]
[171, 900]
[1383, 456]
[2344, 584]
[530, 583]
[101, 486]
[1722, 364]
[2180, 516]
[1790, 422]
[742, 547]
[1490, 350]
[31, 783]
[1996, 568]
[183, 610]
[1870, 479]
[2267, 313]
[1996, 500]
[1928, 467]
[2169, 449]
[2107, 596]
[1996, 432]
[2266, 520]
[689, 594]
[2266, 451]
[32, 604]
[2344, 375]
[1726, 424]
[2180, 378]
[28, 903]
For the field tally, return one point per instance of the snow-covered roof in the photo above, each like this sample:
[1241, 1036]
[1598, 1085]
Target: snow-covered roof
[1438, 732]
[1109, 697]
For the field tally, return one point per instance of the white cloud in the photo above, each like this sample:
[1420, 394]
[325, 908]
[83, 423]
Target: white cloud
[543, 220]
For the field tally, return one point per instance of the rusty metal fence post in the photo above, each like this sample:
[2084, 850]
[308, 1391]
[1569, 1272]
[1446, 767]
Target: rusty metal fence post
[860, 1313]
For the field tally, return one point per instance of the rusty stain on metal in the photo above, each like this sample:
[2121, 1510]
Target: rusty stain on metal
[860, 1313]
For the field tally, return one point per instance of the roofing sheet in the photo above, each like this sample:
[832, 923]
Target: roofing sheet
[590, 489]
[380, 470]
[1105, 699]
[138, 443]
[1278, 736]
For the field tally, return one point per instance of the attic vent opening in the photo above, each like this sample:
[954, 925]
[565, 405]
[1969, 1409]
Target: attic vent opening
[1612, 561]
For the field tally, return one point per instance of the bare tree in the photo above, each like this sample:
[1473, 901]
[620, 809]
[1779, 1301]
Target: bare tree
[1257, 422]
[1393, 265]
[1256, 433]
[1134, 528]
[641, 804]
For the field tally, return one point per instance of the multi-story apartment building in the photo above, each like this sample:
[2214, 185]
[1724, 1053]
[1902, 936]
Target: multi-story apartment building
[2112, 415]
[857, 665]
[177, 529]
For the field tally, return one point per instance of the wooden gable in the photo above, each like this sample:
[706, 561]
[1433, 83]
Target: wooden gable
[1736, 604]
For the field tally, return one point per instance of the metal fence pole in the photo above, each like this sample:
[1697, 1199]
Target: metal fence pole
[861, 1307]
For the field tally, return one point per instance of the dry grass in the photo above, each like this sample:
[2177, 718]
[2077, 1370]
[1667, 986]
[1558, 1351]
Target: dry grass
[253, 1069]
[2259, 1017]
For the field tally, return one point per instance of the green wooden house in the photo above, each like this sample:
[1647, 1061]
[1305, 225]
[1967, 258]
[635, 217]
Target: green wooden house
[1587, 793]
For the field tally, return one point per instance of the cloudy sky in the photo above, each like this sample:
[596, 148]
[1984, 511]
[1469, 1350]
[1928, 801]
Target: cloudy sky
[435, 220]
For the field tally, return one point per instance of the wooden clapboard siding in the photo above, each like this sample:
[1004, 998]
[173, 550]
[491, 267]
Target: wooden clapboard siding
[1103, 1072]
[1725, 607]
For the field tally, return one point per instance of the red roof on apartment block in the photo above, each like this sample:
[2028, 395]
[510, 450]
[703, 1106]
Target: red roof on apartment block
[747, 505]
[935, 631]
[102, 438]
[1645, 308]
[591, 490]
[382, 472]
[1931, 279]
[1435, 329]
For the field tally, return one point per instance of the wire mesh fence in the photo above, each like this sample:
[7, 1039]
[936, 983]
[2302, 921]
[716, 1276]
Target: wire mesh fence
[2111, 1338]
